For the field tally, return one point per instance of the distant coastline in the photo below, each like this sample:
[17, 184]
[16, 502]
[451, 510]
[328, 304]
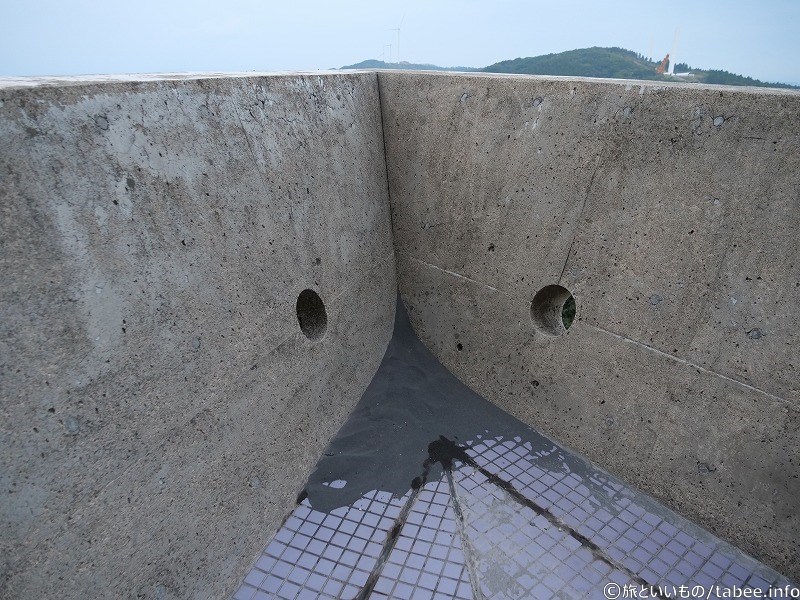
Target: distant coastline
[617, 63]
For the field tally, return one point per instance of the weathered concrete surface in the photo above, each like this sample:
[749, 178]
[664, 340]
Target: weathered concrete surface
[671, 213]
[160, 407]
[160, 404]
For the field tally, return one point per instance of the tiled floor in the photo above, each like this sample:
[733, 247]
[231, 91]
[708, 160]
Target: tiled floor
[318, 555]
[428, 559]
[510, 521]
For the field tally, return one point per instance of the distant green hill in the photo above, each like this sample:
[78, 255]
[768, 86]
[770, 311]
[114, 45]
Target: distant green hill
[587, 62]
[379, 64]
[615, 63]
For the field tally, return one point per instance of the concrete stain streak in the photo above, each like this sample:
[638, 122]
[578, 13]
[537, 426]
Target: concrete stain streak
[690, 364]
[237, 110]
[388, 545]
[470, 556]
[518, 497]
[383, 139]
[459, 275]
[578, 220]
[367, 275]
[627, 340]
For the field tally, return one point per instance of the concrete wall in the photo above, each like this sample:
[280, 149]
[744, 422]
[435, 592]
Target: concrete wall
[160, 407]
[672, 215]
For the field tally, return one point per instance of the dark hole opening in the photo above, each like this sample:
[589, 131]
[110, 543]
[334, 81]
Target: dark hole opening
[553, 310]
[311, 314]
[568, 312]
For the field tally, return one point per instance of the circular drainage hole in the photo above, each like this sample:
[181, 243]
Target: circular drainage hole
[553, 310]
[311, 314]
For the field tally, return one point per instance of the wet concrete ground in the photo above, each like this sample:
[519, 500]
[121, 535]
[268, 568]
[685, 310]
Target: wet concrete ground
[431, 492]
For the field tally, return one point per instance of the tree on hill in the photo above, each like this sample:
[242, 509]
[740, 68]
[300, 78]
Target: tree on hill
[617, 63]
[589, 62]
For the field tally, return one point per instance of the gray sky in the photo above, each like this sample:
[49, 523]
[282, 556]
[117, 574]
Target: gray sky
[67, 37]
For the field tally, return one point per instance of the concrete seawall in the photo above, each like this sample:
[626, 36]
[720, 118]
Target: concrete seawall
[671, 214]
[160, 404]
[161, 408]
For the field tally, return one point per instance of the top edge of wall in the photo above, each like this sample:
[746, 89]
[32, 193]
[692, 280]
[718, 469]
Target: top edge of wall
[603, 80]
[78, 80]
[7, 83]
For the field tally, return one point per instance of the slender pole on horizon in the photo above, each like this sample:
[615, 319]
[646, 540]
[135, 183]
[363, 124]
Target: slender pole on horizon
[397, 29]
[671, 70]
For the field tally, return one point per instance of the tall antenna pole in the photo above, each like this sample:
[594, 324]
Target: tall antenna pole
[672, 52]
[397, 29]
